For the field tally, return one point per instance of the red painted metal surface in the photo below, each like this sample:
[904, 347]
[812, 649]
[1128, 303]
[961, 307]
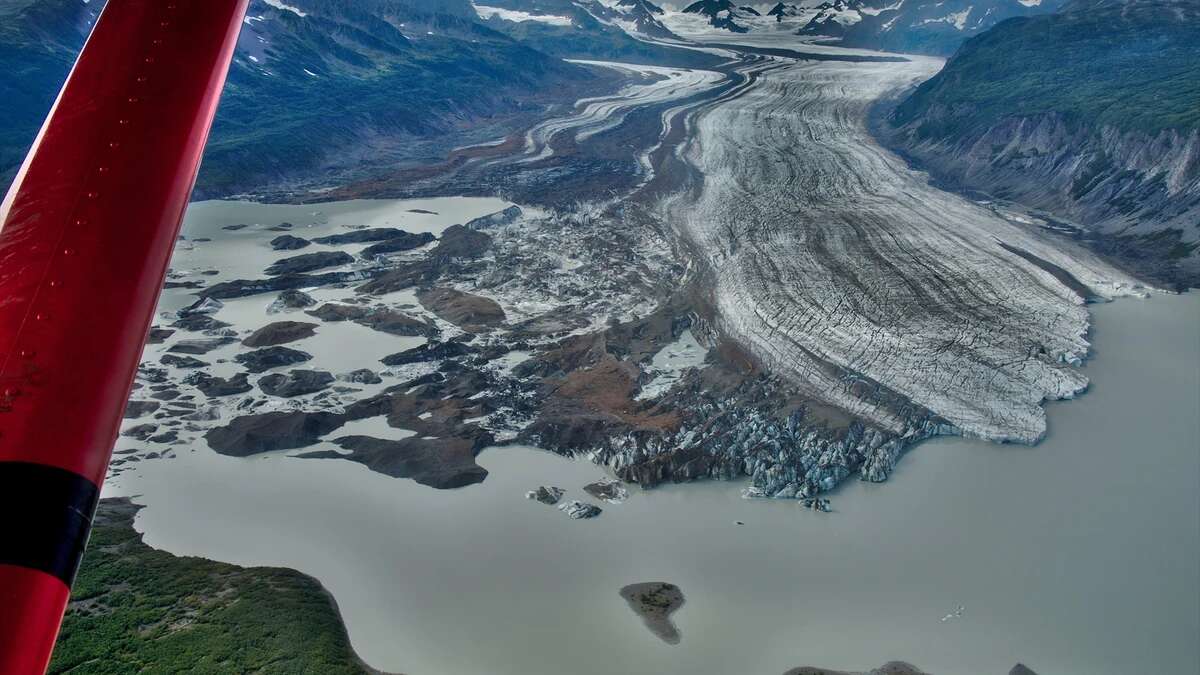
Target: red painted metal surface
[31, 607]
[86, 236]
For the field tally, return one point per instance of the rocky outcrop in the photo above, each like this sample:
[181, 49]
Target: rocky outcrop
[291, 299]
[267, 432]
[136, 409]
[363, 236]
[610, 491]
[280, 332]
[442, 463]
[393, 322]
[333, 312]
[472, 313]
[140, 432]
[577, 510]
[201, 306]
[240, 288]
[429, 352]
[199, 322]
[216, 387]
[158, 336]
[309, 262]
[287, 242]
[361, 376]
[295, 383]
[498, 219]
[403, 241]
[400, 277]
[459, 241]
[183, 362]
[382, 319]
[262, 360]
[548, 495]
[199, 346]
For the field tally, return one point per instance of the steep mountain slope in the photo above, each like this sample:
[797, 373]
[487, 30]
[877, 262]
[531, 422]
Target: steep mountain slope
[916, 26]
[1090, 114]
[347, 85]
[319, 89]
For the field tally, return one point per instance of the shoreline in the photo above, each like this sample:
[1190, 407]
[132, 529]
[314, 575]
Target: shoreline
[694, 522]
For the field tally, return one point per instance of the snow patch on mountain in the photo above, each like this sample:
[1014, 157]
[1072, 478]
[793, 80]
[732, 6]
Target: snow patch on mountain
[278, 4]
[516, 16]
[957, 19]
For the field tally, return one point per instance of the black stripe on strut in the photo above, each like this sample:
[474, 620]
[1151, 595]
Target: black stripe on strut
[45, 517]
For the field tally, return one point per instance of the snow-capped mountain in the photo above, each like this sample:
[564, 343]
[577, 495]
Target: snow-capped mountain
[638, 18]
[723, 14]
[833, 18]
[927, 26]
[634, 16]
[782, 11]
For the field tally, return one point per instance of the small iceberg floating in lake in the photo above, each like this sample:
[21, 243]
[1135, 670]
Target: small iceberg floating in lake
[955, 614]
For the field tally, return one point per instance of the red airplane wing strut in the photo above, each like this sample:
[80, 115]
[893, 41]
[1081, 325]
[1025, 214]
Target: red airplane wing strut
[86, 234]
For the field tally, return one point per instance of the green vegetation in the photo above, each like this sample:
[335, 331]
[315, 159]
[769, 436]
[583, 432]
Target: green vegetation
[137, 609]
[1133, 66]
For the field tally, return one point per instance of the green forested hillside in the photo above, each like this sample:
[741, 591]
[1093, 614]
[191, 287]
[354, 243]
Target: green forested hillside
[1133, 65]
[135, 609]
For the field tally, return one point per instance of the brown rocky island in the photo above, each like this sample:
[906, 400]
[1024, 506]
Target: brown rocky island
[655, 602]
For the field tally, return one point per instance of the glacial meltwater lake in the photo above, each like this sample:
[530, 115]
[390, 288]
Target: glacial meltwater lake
[1080, 556]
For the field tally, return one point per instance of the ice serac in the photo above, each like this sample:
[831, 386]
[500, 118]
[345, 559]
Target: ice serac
[868, 289]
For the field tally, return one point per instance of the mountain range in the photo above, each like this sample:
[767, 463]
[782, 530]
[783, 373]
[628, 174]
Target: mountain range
[916, 26]
[913, 26]
[612, 30]
[723, 14]
[322, 90]
[637, 16]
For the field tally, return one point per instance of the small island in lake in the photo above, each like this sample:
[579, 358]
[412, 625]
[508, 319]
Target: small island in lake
[655, 602]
